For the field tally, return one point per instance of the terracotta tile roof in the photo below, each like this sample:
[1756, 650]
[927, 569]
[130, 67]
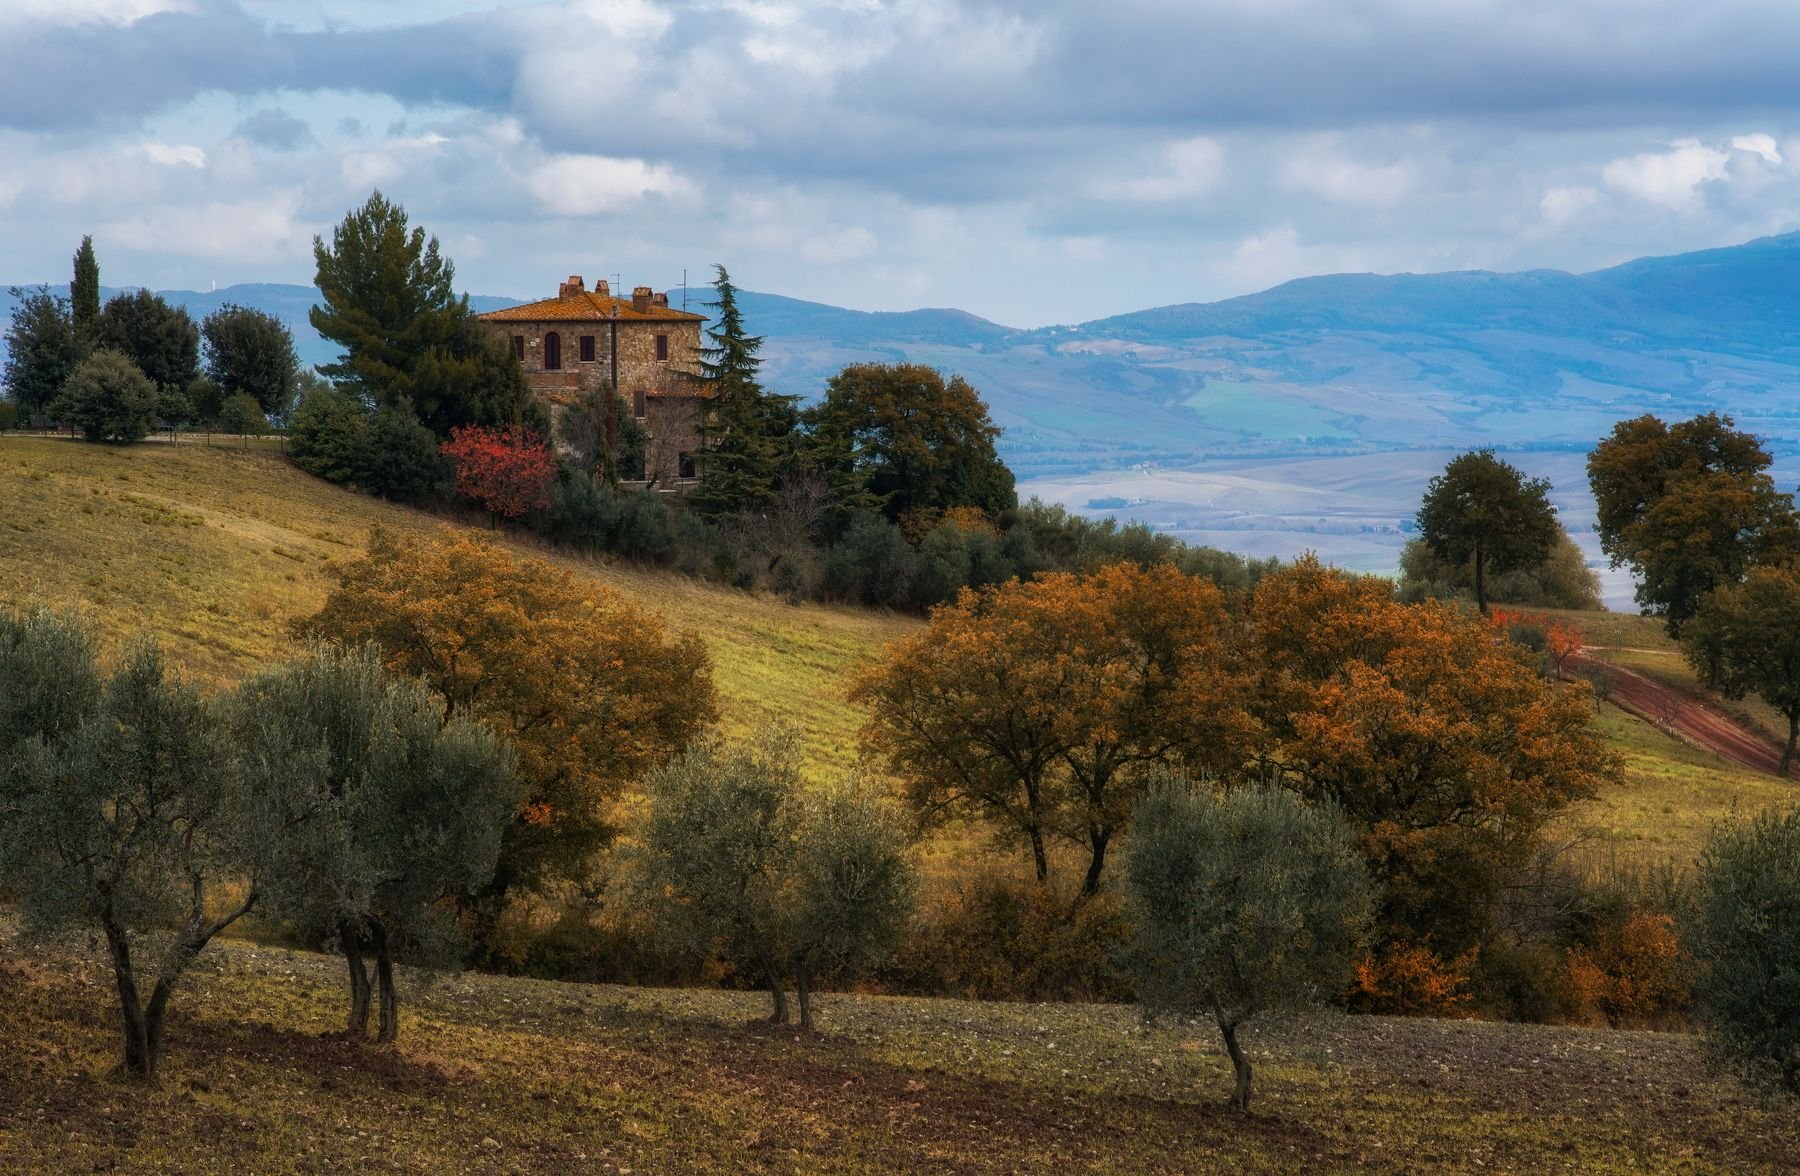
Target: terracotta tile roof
[587, 307]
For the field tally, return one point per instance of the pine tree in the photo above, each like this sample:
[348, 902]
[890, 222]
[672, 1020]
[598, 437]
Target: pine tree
[743, 453]
[84, 290]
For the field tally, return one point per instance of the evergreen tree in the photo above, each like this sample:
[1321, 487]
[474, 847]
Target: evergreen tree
[389, 303]
[108, 398]
[1482, 512]
[252, 351]
[743, 453]
[42, 348]
[84, 290]
[161, 339]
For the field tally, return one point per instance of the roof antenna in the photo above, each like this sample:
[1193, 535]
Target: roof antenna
[684, 287]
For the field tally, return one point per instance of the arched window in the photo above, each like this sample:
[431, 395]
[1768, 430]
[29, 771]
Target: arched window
[552, 352]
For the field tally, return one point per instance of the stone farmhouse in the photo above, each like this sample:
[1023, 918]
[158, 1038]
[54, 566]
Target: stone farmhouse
[586, 340]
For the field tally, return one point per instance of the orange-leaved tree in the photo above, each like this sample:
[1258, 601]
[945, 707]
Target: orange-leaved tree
[591, 689]
[1040, 705]
[1444, 746]
[508, 470]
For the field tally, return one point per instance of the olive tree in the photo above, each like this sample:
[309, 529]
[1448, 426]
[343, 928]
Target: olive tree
[739, 861]
[392, 803]
[1242, 904]
[119, 812]
[1743, 929]
[108, 399]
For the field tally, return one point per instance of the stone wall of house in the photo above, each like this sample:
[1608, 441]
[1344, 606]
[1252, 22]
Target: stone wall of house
[639, 369]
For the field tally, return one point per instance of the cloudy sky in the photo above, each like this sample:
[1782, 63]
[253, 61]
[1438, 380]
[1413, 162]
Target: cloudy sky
[1034, 161]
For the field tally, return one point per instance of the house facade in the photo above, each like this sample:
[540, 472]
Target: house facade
[586, 340]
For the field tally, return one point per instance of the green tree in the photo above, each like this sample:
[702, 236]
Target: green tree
[84, 290]
[717, 848]
[1688, 507]
[1483, 512]
[604, 438]
[1746, 638]
[1743, 928]
[389, 302]
[330, 434]
[108, 399]
[240, 415]
[401, 460]
[252, 351]
[743, 454]
[393, 805]
[119, 812]
[914, 441]
[1242, 904]
[161, 339]
[42, 348]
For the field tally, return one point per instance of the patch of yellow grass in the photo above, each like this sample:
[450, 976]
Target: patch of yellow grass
[213, 550]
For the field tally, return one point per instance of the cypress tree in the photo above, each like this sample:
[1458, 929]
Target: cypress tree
[84, 290]
[742, 454]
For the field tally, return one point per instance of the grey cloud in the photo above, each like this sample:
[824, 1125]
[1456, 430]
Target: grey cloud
[276, 129]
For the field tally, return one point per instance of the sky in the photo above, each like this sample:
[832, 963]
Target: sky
[1031, 161]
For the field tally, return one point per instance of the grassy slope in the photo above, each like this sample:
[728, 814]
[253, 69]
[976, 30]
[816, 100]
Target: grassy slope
[509, 1075]
[213, 550]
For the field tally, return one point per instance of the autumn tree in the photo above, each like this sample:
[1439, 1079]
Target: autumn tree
[508, 471]
[160, 338]
[42, 349]
[393, 805]
[1746, 637]
[591, 689]
[119, 813]
[1448, 751]
[1242, 903]
[1041, 705]
[909, 438]
[1688, 507]
[108, 399]
[251, 351]
[1483, 512]
[389, 302]
[1743, 928]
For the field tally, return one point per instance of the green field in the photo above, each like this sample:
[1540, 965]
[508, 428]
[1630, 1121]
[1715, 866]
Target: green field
[213, 550]
[509, 1075]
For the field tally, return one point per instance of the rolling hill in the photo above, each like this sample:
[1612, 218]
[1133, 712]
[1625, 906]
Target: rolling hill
[1309, 416]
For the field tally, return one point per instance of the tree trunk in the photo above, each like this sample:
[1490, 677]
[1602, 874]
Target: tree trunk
[1480, 582]
[779, 1013]
[1098, 838]
[389, 1029]
[1240, 1097]
[140, 1059]
[358, 1027]
[1038, 857]
[803, 988]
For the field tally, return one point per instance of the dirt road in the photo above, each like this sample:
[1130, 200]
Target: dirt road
[1683, 715]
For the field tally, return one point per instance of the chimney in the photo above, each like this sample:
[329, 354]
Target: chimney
[603, 288]
[640, 298]
[571, 287]
[662, 300]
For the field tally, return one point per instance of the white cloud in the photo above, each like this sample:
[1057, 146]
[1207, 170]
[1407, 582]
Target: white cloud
[261, 228]
[1758, 144]
[1670, 179]
[1190, 168]
[638, 19]
[1345, 181]
[1561, 205]
[591, 185]
[80, 12]
[173, 154]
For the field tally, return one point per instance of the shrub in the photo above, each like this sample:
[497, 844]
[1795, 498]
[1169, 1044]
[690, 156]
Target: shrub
[1634, 976]
[329, 434]
[1241, 904]
[401, 460]
[240, 415]
[108, 399]
[508, 471]
[1743, 928]
[1410, 979]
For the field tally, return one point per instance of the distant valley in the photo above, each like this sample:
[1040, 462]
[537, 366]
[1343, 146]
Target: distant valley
[1309, 416]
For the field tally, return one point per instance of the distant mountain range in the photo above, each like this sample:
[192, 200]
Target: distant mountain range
[1173, 411]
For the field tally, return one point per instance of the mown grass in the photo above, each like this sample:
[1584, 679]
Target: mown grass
[213, 550]
[508, 1075]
